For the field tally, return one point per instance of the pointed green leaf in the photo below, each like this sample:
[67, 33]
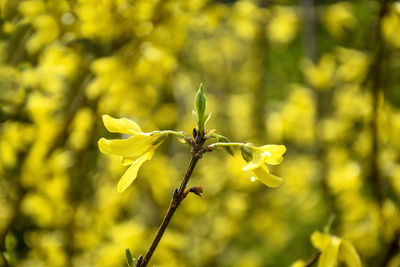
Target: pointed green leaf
[129, 259]
[208, 116]
[195, 116]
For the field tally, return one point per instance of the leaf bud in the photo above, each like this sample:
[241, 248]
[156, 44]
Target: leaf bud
[200, 105]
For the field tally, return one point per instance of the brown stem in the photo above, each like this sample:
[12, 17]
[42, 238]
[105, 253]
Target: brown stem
[377, 84]
[308, 20]
[391, 250]
[320, 98]
[313, 259]
[175, 201]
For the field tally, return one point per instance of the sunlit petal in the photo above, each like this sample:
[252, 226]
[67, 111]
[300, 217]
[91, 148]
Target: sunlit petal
[329, 256]
[270, 154]
[349, 255]
[273, 154]
[131, 147]
[266, 178]
[274, 149]
[131, 173]
[298, 263]
[122, 125]
[320, 240]
[128, 160]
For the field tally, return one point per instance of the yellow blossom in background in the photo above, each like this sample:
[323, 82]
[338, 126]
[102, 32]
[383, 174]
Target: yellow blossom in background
[298, 263]
[46, 31]
[32, 8]
[334, 249]
[319, 76]
[81, 129]
[243, 20]
[353, 66]
[283, 25]
[296, 117]
[338, 17]
[65, 63]
[390, 25]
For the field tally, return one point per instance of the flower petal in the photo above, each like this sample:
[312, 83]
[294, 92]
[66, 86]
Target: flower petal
[128, 160]
[270, 154]
[329, 256]
[274, 149]
[266, 178]
[273, 153]
[273, 160]
[131, 173]
[320, 240]
[349, 255]
[123, 125]
[298, 263]
[131, 147]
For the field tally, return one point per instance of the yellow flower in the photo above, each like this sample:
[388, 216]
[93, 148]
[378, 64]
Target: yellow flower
[283, 25]
[319, 75]
[333, 249]
[298, 263]
[339, 17]
[268, 154]
[134, 151]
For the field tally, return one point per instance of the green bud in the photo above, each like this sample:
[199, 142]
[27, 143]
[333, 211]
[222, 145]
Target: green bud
[129, 259]
[200, 105]
[198, 190]
[246, 153]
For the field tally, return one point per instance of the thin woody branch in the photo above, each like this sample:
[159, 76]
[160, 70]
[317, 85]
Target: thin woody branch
[177, 197]
[313, 259]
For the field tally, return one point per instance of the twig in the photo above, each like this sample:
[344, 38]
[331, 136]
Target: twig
[392, 249]
[375, 179]
[313, 259]
[176, 200]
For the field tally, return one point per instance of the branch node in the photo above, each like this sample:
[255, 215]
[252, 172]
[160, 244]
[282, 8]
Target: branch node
[139, 261]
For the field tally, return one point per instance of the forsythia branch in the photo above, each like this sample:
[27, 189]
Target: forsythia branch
[176, 200]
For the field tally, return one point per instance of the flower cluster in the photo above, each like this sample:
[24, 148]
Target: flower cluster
[138, 148]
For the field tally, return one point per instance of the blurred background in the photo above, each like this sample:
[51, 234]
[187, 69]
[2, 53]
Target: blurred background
[321, 77]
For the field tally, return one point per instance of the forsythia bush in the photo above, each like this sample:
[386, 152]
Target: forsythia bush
[319, 77]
